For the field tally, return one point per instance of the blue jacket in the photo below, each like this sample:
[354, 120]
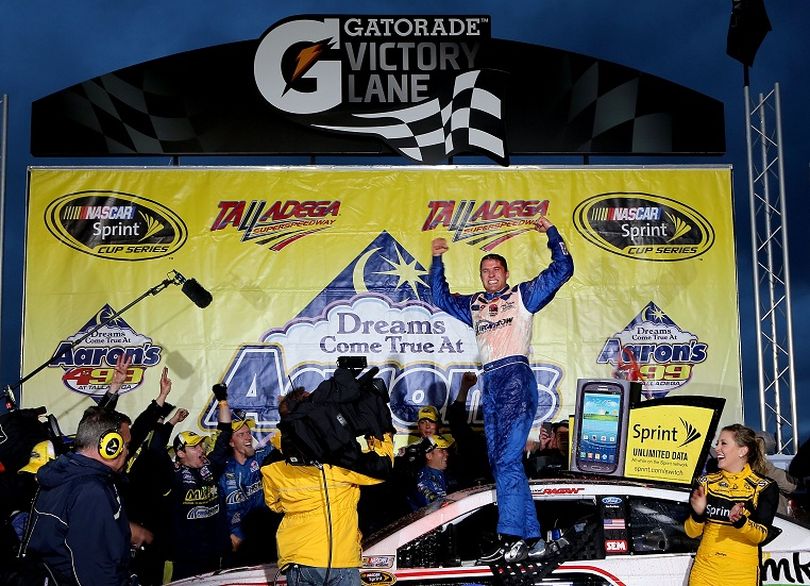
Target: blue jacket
[241, 486]
[430, 486]
[198, 531]
[80, 529]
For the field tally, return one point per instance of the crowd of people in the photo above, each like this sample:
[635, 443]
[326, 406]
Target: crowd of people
[131, 502]
[128, 501]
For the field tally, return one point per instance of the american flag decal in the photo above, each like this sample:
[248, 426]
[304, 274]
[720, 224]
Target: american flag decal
[614, 524]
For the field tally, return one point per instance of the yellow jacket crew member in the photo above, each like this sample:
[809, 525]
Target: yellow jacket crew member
[733, 510]
[320, 510]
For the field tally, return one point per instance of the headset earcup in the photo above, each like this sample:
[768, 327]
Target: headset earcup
[110, 445]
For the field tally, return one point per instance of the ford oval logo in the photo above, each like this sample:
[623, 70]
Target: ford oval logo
[643, 226]
[612, 500]
[115, 225]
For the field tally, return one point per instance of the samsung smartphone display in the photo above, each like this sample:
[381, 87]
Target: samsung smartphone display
[597, 448]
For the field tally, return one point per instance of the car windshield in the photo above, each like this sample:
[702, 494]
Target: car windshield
[420, 513]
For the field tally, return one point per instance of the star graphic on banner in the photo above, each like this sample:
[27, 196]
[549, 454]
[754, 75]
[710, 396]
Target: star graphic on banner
[408, 272]
[655, 314]
[103, 314]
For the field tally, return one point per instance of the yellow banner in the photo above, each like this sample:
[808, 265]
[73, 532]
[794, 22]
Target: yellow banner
[307, 264]
[669, 440]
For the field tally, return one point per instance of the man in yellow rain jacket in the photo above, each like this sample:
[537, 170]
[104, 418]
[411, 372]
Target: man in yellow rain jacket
[318, 539]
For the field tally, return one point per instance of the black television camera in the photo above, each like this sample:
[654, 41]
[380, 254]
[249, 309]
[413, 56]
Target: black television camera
[356, 363]
[323, 428]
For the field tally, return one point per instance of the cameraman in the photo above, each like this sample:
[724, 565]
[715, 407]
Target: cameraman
[319, 539]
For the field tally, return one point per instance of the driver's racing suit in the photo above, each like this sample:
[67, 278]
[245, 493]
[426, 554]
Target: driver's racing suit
[502, 323]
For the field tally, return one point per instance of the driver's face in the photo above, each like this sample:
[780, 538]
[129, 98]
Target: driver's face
[493, 275]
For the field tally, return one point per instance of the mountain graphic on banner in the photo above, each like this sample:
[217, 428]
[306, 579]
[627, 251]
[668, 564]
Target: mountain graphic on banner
[103, 314]
[384, 268]
[650, 314]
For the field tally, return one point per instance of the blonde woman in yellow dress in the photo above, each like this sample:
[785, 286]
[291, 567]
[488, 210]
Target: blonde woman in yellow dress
[732, 512]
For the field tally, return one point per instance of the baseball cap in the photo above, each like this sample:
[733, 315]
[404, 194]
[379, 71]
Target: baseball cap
[239, 419]
[187, 438]
[41, 454]
[439, 441]
[428, 412]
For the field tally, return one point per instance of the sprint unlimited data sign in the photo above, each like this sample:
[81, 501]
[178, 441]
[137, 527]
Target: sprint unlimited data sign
[668, 439]
[308, 264]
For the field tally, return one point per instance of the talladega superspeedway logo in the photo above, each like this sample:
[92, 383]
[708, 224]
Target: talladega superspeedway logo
[486, 224]
[276, 224]
[89, 361]
[665, 354]
[378, 307]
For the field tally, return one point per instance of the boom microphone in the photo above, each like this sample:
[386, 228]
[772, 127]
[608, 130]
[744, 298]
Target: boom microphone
[193, 290]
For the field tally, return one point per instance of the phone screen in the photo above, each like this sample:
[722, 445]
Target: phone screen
[598, 444]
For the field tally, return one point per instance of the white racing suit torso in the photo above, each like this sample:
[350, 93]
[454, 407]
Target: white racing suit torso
[502, 323]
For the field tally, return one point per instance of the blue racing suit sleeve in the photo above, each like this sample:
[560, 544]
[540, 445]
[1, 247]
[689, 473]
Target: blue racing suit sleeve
[540, 290]
[457, 306]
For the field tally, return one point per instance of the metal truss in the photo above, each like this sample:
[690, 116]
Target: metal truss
[769, 238]
[3, 166]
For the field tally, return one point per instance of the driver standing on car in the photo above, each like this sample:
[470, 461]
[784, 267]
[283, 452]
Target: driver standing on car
[502, 318]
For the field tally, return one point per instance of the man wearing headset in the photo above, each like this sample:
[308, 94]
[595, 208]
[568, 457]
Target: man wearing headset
[78, 527]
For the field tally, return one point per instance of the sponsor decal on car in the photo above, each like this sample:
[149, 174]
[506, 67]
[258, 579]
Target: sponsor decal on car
[377, 578]
[615, 546]
[785, 568]
[558, 490]
[378, 561]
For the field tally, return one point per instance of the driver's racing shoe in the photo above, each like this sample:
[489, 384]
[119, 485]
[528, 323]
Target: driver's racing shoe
[537, 551]
[507, 550]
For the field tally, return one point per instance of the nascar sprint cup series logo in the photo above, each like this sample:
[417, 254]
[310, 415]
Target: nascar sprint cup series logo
[643, 226]
[412, 81]
[115, 225]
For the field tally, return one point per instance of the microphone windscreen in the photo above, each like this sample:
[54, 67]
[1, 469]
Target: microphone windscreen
[194, 291]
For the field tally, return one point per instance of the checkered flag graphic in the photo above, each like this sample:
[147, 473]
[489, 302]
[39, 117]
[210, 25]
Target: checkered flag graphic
[470, 120]
[124, 113]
